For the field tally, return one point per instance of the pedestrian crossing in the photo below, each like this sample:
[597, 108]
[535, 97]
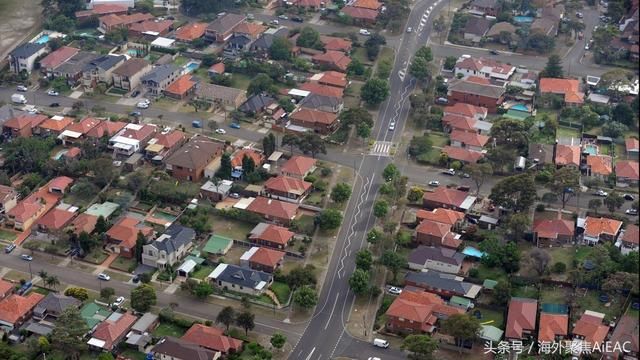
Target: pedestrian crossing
[381, 148]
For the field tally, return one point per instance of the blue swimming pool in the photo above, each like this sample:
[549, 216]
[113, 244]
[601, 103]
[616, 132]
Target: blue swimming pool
[134, 52]
[520, 107]
[190, 67]
[523, 19]
[59, 154]
[471, 251]
[43, 39]
[591, 149]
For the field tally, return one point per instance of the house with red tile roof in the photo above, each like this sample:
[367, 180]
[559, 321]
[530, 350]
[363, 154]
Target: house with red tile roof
[310, 5]
[600, 166]
[72, 154]
[452, 122]
[83, 223]
[462, 154]
[105, 128]
[568, 88]
[112, 21]
[627, 332]
[548, 233]
[323, 90]
[552, 327]
[182, 88]
[262, 259]
[521, 318]
[467, 110]
[632, 145]
[59, 185]
[212, 338]
[280, 212]
[22, 216]
[443, 197]
[270, 235]
[250, 29]
[333, 60]
[110, 332]
[100, 10]
[330, 78]
[298, 167]
[567, 155]
[257, 157]
[417, 312]
[361, 15]
[54, 125]
[367, 4]
[16, 309]
[164, 144]
[8, 198]
[57, 58]
[590, 328]
[322, 122]
[600, 229]
[432, 233]
[154, 26]
[56, 219]
[191, 31]
[627, 172]
[443, 216]
[468, 140]
[22, 125]
[336, 43]
[6, 288]
[124, 234]
[629, 239]
[287, 188]
[216, 69]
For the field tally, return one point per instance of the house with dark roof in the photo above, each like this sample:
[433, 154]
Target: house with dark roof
[73, 68]
[485, 7]
[322, 122]
[476, 28]
[236, 45]
[270, 235]
[521, 319]
[443, 197]
[170, 348]
[322, 103]
[287, 188]
[239, 279]
[101, 70]
[445, 285]
[217, 94]
[298, 167]
[541, 153]
[169, 248]
[474, 93]
[262, 45]
[417, 312]
[221, 29]
[554, 232]
[53, 305]
[190, 161]
[435, 258]
[128, 75]
[280, 212]
[109, 333]
[262, 259]
[256, 104]
[23, 57]
[155, 81]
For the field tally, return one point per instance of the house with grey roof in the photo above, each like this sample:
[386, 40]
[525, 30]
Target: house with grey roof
[323, 103]
[168, 248]
[256, 104]
[436, 258]
[263, 44]
[101, 70]
[485, 7]
[53, 305]
[237, 44]
[24, 56]
[476, 28]
[217, 94]
[127, 76]
[239, 279]
[445, 285]
[221, 29]
[73, 68]
[155, 81]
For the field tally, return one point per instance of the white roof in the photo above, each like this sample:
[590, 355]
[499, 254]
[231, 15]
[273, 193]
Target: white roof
[123, 146]
[162, 42]
[217, 271]
[261, 285]
[275, 156]
[298, 92]
[473, 292]
[69, 133]
[187, 266]
[296, 128]
[244, 203]
[57, 117]
[96, 342]
[125, 140]
[134, 126]
[468, 202]
[249, 253]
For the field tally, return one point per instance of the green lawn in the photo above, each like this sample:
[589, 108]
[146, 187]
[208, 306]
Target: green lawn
[528, 291]
[168, 329]
[7, 235]
[361, 54]
[438, 139]
[582, 253]
[591, 301]
[240, 81]
[497, 317]
[134, 355]
[315, 198]
[180, 60]
[554, 295]
[567, 132]
[96, 256]
[40, 290]
[563, 255]
[230, 228]
[281, 290]
[202, 272]
[123, 264]
[485, 272]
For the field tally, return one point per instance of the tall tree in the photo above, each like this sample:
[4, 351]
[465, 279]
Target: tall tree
[565, 182]
[518, 223]
[594, 204]
[380, 208]
[425, 53]
[312, 143]
[341, 192]
[613, 201]
[419, 68]
[329, 219]
[553, 69]
[420, 347]
[225, 167]
[280, 49]
[143, 298]
[261, 83]
[141, 240]
[269, 144]
[248, 165]
[364, 259]
[375, 91]
[390, 172]
[226, 316]
[479, 173]
[462, 327]
[393, 262]
[539, 260]
[516, 192]
[291, 140]
[68, 334]
[309, 38]
[246, 320]
[359, 282]
[305, 297]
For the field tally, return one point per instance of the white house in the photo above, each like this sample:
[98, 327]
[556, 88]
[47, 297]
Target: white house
[24, 56]
[169, 248]
[486, 68]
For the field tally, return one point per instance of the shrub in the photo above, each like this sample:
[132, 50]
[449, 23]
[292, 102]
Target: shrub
[540, 207]
[474, 273]
[78, 293]
[559, 267]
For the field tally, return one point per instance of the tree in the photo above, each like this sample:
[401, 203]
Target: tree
[278, 340]
[614, 129]
[105, 356]
[60, 23]
[356, 116]
[309, 38]
[516, 192]
[203, 290]
[261, 83]
[502, 293]
[305, 297]
[78, 293]
[613, 201]
[359, 282]
[375, 91]
[373, 236]
[439, 25]
[27, 154]
[101, 225]
[539, 260]
[329, 219]
[52, 281]
[312, 143]
[380, 208]
[300, 276]
[280, 49]
[226, 316]
[462, 327]
[620, 281]
[225, 167]
[107, 293]
[341, 192]
[419, 145]
[140, 241]
[363, 131]
[364, 260]
[291, 140]
[623, 113]
[424, 52]
[246, 320]
[390, 172]
[269, 144]
[450, 62]
[68, 334]
[355, 67]
[393, 262]
[248, 165]
[415, 194]
[595, 204]
[512, 134]
[540, 42]
[518, 223]
[421, 347]
[565, 182]
[479, 173]
[420, 68]
[143, 298]
[553, 69]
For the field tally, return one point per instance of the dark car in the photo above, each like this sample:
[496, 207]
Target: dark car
[494, 52]
[297, 19]
[135, 113]
[54, 105]
[135, 93]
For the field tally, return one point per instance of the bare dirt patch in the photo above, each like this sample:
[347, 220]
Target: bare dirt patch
[18, 20]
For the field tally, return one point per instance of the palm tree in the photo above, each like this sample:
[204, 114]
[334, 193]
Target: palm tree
[52, 281]
[43, 274]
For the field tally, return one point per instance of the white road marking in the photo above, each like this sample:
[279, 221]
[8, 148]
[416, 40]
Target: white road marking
[332, 310]
[311, 353]
[381, 148]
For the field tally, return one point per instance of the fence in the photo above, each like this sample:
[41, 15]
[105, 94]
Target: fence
[249, 244]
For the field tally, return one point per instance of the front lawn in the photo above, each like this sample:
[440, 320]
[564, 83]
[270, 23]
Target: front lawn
[230, 228]
[202, 273]
[282, 291]
[169, 329]
[123, 264]
[7, 235]
[96, 256]
[133, 355]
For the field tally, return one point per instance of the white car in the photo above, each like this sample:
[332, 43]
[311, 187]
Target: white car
[283, 17]
[395, 290]
[392, 126]
[374, 358]
[449, 172]
[275, 22]
[221, 131]
[22, 88]
[586, 47]
[631, 212]
[31, 110]
[601, 193]
[52, 93]
[146, 101]
[119, 301]
[364, 32]
[142, 105]
[103, 276]
[26, 257]
[409, 29]
[434, 183]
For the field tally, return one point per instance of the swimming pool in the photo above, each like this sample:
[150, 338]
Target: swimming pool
[523, 19]
[591, 149]
[59, 154]
[134, 52]
[190, 67]
[42, 39]
[520, 107]
[471, 251]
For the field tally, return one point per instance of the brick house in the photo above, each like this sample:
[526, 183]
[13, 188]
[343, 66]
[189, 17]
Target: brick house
[332, 60]
[567, 155]
[128, 75]
[437, 234]
[298, 167]
[600, 166]
[16, 309]
[590, 328]
[553, 327]
[109, 333]
[270, 235]
[629, 239]
[453, 218]
[280, 212]
[627, 172]
[443, 197]
[124, 234]
[521, 318]
[548, 233]
[22, 125]
[468, 140]
[417, 312]
[467, 110]
[569, 89]
[8, 198]
[474, 93]
[190, 161]
[601, 229]
[319, 121]
[212, 338]
[75, 132]
[221, 29]
[262, 259]
[287, 188]
[445, 285]
[435, 258]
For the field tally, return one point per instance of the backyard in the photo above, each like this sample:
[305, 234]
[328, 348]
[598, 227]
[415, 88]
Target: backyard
[490, 317]
[230, 228]
[555, 295]
[202, 272]
[169, 329]
[590, 300]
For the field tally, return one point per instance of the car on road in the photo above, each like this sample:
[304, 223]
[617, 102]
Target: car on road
[142, 105]
[52, 93]
[395, 290]
[234, 126]
[234, 196]
[494, 52]
[297, 19]
[392, 126]
[135, 93]
[409, 29]
[9, 248]
[586, 47]
[136, 279]
[601, 193]
[275, 22]
[31, 110]
[26, 257]
[119, 301]
[631, 212]
[250, 17]
[135, 113]
[449, 172]
[54, 105]
[283, 17]
[628, 197]
[381, 343]
[579, 15]
[434, 183]
[103, 276]
[374, 358]
[221, 131]
[22, 88]
[442, 101]
[465, 175]
[364, 32]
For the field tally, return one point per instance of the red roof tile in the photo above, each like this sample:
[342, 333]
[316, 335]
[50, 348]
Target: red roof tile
[323, 90]
[464, 109]
[567, 155]
[632, 144]
[335, 58]
[469, 138]
[591, 327]
[550, 229]
[273, 208]
[25, 209]
[56, 123]
[122, 20]
[84, 222]
[298, 165]
[14, 306]
[631, 234]
[422, 307]
[521, 316]
[570, 88]
[251, 29]
[335, 43]
[106, 128]
[368, 4]
[552, 325]
[181, 86]
[285, 184]
[19, 122]
[459, 122]
[60, 183]
[191, 31]
[126, 231]
[267, 257]
[258, 158]
[433, 228]
[462, 154]
[211, 338]
[5, 286]
[312, 116]
[275, 234]
[72, 153]
[360, 13]
[627, 169]
[84, 125]
[444, 216]
[58, 57]
[332, 78]
[170, 139]
[154, 26]
[596, 226]
[217, 68]
[626, 332]
[112, 331]
[444, 195]
[600, 164]
[55, 219]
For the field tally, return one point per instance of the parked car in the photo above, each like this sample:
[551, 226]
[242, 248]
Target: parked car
[221, 131]
[135, 93]
[449, 172]
[196, 124]
[54, 105]
[442, 101]
[119, 301]
[395, 290]
[579, 15]
[601, 193]
[9, 248]
[136, 279]
[392, 126]
[22, 88]
[142, 105]
[234, 125]
[631, 212]
[275, 22]
[103, 276]
[297, 19]
[234, 195]
[26, 257]
[283, 17]
[381, 343]
[364, 32]
[135, 113]
[52, 93]
[628, 197]
[250, 17]
[434, 183]
[494, 52]
[409, 29]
